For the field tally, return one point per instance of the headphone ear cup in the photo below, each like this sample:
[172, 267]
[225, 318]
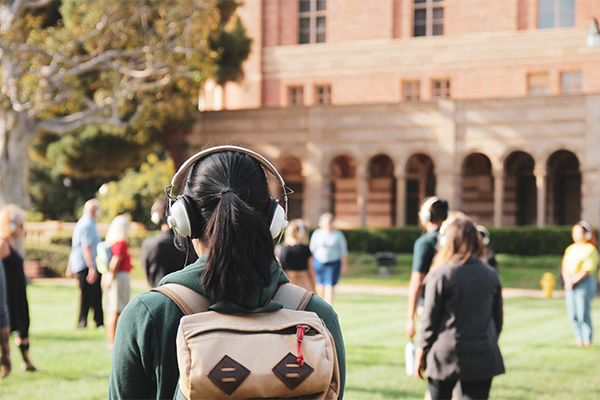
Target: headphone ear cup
[178, 218]
[425, 215]
[278, 219]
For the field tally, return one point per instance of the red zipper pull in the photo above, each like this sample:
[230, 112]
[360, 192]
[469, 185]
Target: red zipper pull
[299, 339]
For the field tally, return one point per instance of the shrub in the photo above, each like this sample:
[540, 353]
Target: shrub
[54, 256]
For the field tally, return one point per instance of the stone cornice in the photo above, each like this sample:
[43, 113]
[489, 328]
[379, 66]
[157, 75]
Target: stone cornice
[488, 49]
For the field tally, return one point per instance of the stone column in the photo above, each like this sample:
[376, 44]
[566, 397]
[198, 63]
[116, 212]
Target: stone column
[540, 183]
[498, 196]
[361, 198]
[400, 198]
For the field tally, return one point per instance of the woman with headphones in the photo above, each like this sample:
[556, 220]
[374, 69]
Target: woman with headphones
[579, 263]
[12, 219]
[227, 212]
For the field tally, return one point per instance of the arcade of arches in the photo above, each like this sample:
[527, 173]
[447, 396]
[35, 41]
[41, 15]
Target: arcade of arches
[506, 162]
[518, 193]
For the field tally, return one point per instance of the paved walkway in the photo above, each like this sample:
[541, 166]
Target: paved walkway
[341, 288]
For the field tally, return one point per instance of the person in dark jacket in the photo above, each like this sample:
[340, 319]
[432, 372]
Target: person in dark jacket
[160, 256]
[462, 316]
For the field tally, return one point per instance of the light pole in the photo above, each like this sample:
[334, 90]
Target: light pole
[593, 38]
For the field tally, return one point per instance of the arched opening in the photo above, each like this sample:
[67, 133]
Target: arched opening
[520, 193]
[291, 171]
[564, 188]
[344, 190]
[381, 196]
[420, 183]
[478, 188]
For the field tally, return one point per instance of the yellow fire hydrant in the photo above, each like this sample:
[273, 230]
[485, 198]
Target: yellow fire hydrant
[548, 282]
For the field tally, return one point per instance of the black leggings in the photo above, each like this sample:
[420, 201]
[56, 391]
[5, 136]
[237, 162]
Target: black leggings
[476, 390]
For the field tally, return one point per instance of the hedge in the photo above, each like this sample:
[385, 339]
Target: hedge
[510, 240]
[135, 239]
[55, 257]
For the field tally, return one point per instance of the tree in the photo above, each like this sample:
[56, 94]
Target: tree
[113, 64]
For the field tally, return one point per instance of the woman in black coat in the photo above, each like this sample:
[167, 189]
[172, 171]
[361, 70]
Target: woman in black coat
[462, 316]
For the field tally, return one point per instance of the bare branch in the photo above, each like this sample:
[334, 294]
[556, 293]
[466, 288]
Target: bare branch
[37, 4]
[62, 125]
[9, 13]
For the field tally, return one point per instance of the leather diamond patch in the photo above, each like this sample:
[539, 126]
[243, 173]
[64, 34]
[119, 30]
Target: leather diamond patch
[228, 374]
[290, 372]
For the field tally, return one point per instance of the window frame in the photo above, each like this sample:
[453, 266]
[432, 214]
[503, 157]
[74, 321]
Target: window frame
[557, 15]
[324, 98]
[316, 33]
[538, 90]
[571, 88]
[429, 22]
[444, 92]
[411, 90]
[295, 96]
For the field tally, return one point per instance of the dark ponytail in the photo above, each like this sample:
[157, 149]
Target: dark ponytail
[230, 190]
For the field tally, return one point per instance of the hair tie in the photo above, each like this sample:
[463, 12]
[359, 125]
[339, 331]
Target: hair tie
[227, 190]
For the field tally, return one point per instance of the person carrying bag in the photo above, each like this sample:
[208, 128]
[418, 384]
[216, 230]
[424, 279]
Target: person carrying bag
[265, 345]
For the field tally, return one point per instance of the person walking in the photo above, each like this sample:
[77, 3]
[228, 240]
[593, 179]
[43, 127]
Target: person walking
[116, 281]
[5, 360]
[12, 220]
[579, 264]
[227, 211]
[330, 256]
[431, 215]
[160, 256]
[82, 264]
[295, 256]
[462, 317]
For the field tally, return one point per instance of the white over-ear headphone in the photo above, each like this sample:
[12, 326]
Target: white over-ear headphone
[13, 223]
[587, 228]
[425, 212]
[182, 215]
[484, 233]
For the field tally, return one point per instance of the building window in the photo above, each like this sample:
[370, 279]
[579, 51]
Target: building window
[295, 96]
[411, 90]
[538, 84]
[570, 82]
[428, 18]
[311, 23]
[556, 13]
[323, 94]
[441, 89]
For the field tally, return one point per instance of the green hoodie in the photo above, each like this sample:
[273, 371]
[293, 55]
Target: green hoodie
[144, 364]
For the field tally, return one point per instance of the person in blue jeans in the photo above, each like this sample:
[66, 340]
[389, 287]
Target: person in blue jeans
[578, 267]
[330, 256]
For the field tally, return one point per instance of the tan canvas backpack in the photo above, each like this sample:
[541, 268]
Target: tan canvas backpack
[288, 353]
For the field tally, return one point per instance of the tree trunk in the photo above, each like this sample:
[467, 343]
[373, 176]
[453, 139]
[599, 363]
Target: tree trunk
[16, 134]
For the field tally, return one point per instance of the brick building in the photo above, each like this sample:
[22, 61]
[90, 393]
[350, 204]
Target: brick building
[367, 107]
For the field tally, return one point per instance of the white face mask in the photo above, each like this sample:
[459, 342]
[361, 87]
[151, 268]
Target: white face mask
[97, 213]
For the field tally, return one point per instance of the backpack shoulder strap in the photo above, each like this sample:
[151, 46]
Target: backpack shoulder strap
[292, 297]
[189, 301]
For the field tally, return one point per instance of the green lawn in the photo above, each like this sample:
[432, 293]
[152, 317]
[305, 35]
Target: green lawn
[522, 272]
[541, 358]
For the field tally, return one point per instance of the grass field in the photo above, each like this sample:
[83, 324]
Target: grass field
[516, 271]
[541, 358]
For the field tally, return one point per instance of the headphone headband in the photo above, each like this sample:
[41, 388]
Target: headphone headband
[180, 218]
[206, 152]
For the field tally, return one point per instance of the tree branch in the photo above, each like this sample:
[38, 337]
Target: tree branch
[37, 4]
[62, 125]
